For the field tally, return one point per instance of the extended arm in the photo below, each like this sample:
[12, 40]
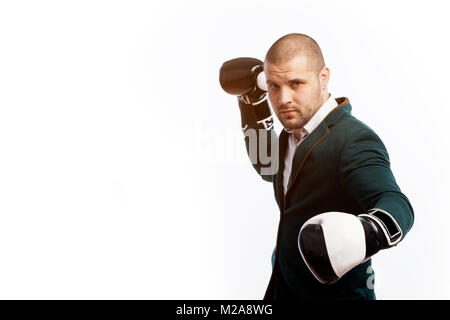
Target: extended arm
[333, 243]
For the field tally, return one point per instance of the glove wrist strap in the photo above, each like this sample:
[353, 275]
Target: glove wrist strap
[385, 222]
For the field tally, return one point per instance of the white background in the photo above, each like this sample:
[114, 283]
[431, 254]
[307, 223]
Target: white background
[123, 173]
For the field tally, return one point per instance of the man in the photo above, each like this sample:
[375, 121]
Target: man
[338, 199]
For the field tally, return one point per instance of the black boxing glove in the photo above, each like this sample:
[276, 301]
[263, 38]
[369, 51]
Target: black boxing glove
[244, 77]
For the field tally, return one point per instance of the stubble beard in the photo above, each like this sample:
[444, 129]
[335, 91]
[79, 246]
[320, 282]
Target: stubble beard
[296, 122]
[312, 109]
[299, 119]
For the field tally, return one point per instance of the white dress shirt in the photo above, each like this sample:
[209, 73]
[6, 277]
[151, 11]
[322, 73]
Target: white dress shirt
[309, 127]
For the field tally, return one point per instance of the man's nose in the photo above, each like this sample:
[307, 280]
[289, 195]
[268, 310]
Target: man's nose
[285, 96]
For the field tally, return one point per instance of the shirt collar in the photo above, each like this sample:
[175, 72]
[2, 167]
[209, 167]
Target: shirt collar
[319, 116]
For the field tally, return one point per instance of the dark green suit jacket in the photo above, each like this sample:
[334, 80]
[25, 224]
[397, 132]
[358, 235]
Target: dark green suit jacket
[341, 166]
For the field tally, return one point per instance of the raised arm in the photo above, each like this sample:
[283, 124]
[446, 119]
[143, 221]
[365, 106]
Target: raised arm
[244, 78]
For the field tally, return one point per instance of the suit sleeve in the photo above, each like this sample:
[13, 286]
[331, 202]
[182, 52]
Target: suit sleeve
[366, 175]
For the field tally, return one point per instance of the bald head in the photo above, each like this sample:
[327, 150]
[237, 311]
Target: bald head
[293, 45]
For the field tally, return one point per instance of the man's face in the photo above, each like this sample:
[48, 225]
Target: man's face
[294, 91]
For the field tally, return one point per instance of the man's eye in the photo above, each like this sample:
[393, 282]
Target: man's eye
[296, 83]
[273, 86]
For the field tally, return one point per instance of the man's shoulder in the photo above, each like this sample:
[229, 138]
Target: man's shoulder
[350, 131]
[341, 120]
[352, 134]
[349, 125]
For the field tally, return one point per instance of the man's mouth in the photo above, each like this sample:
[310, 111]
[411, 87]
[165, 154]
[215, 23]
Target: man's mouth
[287, 112]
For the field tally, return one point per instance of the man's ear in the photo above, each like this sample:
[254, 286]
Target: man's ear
[324, 77]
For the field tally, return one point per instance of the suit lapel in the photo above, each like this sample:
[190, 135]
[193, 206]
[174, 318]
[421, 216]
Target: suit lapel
[279, 176]
[304, 149]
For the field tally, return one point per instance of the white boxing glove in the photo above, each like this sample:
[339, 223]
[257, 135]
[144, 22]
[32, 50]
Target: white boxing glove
[333, 243]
